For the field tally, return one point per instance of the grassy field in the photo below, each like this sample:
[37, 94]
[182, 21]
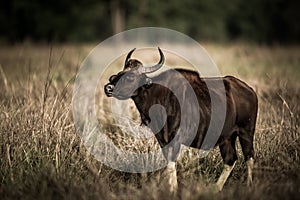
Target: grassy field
[42, 157]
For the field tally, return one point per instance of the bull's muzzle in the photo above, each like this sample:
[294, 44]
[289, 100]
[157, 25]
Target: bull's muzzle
[109, 88]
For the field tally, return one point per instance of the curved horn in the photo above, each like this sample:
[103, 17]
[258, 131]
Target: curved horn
[158, 65]
[128, 56]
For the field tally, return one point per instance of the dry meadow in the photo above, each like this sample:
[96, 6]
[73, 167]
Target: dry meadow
[42, 156]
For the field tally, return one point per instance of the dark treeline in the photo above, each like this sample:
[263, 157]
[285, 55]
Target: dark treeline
[261, 21]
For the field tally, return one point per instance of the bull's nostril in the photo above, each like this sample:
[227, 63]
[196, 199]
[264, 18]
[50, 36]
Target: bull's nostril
[109, 88]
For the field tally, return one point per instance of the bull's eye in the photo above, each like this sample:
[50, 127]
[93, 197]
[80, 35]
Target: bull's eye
[112, 78]
[129, 77]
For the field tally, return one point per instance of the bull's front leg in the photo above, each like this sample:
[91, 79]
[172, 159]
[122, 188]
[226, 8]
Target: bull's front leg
[170, 175]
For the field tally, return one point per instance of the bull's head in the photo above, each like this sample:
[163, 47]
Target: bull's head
[125, 84]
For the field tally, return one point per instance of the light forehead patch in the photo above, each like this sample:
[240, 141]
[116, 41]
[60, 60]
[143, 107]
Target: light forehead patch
[131, 64]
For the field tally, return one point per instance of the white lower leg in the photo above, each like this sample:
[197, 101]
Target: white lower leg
[250, 165]
[224, 176]
[172, 176]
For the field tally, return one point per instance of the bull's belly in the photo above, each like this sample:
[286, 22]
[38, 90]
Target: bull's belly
[206, 142]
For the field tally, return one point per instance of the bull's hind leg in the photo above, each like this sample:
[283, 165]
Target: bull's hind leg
[228, 153]
[246, 140]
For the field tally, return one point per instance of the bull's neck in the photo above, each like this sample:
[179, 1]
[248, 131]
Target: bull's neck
[142, 102]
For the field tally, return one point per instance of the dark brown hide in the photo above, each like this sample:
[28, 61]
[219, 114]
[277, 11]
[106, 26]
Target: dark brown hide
[241, 109]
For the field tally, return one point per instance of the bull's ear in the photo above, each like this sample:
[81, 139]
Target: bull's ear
[148, 82]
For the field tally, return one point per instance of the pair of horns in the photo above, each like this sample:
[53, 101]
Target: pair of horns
[152, 68]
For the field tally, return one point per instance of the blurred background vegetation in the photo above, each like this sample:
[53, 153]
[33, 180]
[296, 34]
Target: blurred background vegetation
[258, 21]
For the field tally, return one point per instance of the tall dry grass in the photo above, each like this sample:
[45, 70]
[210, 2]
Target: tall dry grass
[42, 155]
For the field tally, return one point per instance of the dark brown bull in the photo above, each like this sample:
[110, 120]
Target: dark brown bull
[241, 112]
